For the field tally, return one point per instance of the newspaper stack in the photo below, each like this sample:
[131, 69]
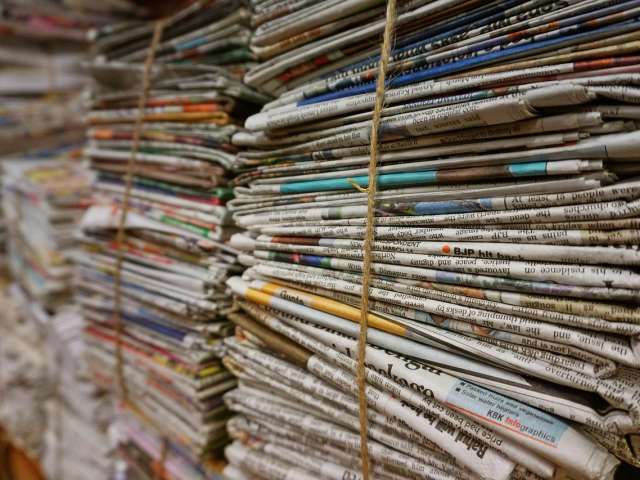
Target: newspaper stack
[47, 404]
[60, 20]
[23, 376]
[43, 201]
[504, 279]
[77, 443]
[44, 117]
[43, 44]
[40, 83]
[176, 262]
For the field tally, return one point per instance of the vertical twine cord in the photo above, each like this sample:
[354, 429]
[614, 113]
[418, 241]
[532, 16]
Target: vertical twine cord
[121, 233]
[369, 233]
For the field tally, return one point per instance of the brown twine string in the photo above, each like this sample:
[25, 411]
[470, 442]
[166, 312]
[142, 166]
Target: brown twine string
[369, 233]
[121, 233]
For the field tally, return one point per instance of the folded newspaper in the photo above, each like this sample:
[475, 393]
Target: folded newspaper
[175, 257]
[504, 296]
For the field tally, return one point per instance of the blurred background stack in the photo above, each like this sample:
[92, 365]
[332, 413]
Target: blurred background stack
[46, 403]
[42, 46]
[175, 261]
[43, 202]
[23, 380]
[504, 316]
[79, 440]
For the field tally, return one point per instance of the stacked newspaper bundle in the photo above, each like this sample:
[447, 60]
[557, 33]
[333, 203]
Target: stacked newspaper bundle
[503, 323]
[47, 403]
[31, 120]
[43, 44]
[42, 47]
[203, 32]
[175, 261]
[60, 20]
[40, 52]
[43, 201]
[40, 83]
[77, 444]
[23, 373]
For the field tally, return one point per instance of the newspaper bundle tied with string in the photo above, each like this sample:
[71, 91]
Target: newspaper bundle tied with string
[151, 277]
[501, 269]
